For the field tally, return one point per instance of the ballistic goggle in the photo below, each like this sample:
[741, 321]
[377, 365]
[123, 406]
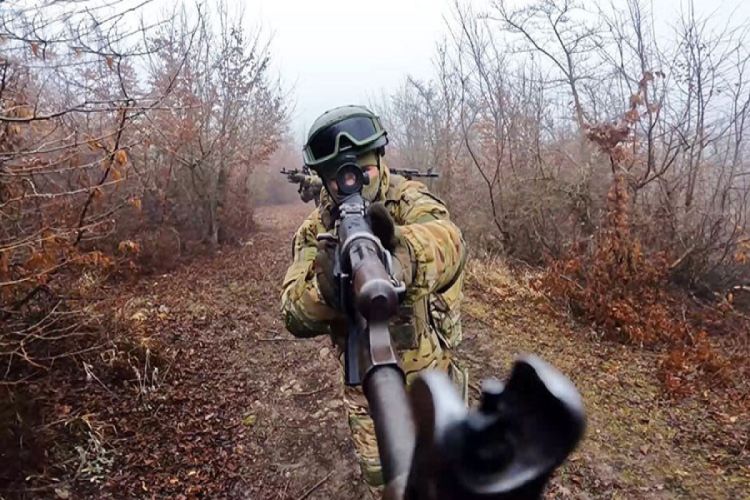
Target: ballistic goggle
[355, 132]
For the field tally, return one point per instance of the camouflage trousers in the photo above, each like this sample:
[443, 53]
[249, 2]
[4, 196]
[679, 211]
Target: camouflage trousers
[363, 429]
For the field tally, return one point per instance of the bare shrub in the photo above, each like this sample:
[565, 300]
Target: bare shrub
[101, 171]
[623, 290]
[515, 94]
[70, 108]
[224, 116]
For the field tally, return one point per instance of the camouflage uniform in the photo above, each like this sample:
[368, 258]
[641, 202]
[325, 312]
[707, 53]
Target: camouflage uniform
[428, 324]
[309, 188]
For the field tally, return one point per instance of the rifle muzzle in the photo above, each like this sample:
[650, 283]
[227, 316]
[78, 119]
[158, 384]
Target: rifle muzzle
[377, 299]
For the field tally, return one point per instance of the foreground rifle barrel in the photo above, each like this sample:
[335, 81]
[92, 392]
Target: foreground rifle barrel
[394, 424]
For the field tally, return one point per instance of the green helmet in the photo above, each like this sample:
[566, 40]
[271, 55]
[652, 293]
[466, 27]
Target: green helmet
[346, 129]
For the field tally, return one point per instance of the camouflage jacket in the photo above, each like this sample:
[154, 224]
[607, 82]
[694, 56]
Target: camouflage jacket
[428, 323]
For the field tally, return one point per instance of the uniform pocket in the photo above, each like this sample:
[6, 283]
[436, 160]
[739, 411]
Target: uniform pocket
[403, 329]
[445, 321]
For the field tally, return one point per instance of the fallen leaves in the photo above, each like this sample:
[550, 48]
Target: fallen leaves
[139, 316]
[62, 492]
[129, 246]
[121, 157]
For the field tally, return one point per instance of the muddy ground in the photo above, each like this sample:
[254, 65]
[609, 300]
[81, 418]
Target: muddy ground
[238, 408]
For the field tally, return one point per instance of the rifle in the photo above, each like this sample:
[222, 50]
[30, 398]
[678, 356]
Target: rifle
[410, 173]
[309, 184]
[295, 175]
[431, 447]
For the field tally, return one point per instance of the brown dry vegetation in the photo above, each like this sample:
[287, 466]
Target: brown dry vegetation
[142, 218]
[611, 156]
[640, 442]
[515, 96]
[231, 406]
[123, 145]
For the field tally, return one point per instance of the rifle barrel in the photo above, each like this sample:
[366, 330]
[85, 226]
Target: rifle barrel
[392, 417]
[412, 172]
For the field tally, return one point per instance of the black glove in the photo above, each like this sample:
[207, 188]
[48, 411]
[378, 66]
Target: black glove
[383, 226]
[323, 266]
[385, 229]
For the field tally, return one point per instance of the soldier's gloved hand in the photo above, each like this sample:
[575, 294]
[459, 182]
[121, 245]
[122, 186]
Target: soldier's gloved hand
[386, 230]
[383, 226]
[323, 267]
[327, 217]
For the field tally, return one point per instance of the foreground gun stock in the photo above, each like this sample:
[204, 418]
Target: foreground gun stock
[507, 448]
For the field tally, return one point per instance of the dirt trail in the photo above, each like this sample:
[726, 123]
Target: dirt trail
[246, 411]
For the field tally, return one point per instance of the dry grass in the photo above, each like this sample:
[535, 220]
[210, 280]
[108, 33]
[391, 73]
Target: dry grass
[640, 443]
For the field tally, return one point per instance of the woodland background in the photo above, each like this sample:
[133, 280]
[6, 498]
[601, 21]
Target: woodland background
[606, 157]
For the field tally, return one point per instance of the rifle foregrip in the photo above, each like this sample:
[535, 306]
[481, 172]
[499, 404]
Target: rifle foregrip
[376, 298]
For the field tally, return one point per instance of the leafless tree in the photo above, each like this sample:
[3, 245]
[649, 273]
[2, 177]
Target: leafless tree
[112, 124]
[509, 78]
[228, 115]
[561, 33]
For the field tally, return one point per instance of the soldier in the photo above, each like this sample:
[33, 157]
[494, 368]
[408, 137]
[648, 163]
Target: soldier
[427, 247]
[310, 185]
[309, 189]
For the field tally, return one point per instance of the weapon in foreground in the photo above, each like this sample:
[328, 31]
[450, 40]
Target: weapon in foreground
[309, 183]
[432, 447]
[410, 173]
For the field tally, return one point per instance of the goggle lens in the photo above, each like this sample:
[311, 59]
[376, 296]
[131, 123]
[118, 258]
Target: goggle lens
[324, 143]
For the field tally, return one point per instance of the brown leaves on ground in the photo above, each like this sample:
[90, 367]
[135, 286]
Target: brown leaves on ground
[639, 443]
[626, 294]
[202, 394]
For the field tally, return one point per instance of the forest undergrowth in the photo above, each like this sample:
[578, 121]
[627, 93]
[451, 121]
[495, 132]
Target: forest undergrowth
[201, 392]
[144, 235]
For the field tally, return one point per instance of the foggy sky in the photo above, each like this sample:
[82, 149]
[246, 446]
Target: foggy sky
[334, 52]
[337, 52]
